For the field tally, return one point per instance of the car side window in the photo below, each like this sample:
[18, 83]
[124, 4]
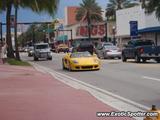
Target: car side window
[130, 44]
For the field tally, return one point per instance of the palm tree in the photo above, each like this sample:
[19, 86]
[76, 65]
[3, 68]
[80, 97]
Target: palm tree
[6, 5]
[49, 6]
[114, 5]
[153, 6]
[89, 11]
[17, 2]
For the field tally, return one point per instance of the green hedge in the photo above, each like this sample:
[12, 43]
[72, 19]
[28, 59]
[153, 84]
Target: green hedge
[12, 61]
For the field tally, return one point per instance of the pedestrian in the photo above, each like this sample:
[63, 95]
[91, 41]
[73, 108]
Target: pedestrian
[4, 53]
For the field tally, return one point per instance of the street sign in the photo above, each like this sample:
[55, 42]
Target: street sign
[133, 28]
[60, 27]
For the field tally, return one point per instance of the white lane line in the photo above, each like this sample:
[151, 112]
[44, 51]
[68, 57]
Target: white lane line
[151, 78]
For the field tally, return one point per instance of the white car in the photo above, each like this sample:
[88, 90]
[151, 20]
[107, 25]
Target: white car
[109, 52]
[42, 50]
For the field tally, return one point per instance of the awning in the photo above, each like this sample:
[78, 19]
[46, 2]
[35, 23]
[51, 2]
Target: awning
[149, 29]
[62, 38]
[48, 30]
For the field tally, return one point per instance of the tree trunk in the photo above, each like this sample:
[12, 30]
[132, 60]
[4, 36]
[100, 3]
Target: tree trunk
[89, 25]
[15, 35]
[10, 52]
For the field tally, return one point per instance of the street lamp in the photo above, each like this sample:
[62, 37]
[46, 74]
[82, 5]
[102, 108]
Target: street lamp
[106, 30]
[114, 32]
[48, 35]
[89, 24]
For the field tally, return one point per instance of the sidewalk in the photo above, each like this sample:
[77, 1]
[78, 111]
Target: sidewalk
[26, 94]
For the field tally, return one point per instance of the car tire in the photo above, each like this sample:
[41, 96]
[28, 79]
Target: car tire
[69, 68]
[124, 59]
[35, 58]
[119, 57]
[144, 60]
[63, 67]
[137, 59]
[158, 60]
[50, 58]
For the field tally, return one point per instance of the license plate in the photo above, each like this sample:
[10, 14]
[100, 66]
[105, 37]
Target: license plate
[43, 55]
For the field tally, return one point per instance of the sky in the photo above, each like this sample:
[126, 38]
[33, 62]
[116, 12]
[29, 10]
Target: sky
[26, 15]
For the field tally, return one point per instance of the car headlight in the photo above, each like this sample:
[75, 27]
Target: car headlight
[75, 61]
[49, 53]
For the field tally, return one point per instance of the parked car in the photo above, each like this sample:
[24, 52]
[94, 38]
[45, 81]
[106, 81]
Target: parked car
[80, 61]
[141, 50]
[108, 51]
[42, 50]
[62, 48]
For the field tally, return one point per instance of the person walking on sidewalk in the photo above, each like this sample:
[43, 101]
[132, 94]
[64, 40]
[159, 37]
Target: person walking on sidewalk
[4, 52]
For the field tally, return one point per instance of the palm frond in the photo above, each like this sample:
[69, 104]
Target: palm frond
[90, 6]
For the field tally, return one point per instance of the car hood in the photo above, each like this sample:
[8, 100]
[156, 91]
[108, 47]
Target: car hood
[86, 60]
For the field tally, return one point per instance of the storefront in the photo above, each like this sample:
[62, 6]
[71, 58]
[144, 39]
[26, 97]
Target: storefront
[80, 32]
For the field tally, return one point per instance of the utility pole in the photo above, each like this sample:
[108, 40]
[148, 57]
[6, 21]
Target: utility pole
[48, 33]
[71, 35]
[106, 31]
[114, 33]
[1, 32]
[89, 25]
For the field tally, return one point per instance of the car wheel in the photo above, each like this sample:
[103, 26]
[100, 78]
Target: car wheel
[50, 58]
[69, 67]
[35, 58]
[63, 67]
[158, 60]
[124, 59]
[144, 60]
[137, 59]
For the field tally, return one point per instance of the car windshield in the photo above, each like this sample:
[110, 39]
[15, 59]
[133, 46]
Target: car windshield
[41, 46]
[108, 44]
[110, 47]
[80, 54]
[140, 43]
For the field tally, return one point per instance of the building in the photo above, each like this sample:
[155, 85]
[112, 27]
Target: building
[148, 25]
[77, 31]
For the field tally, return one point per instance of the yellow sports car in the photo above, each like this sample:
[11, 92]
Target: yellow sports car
[80, 61]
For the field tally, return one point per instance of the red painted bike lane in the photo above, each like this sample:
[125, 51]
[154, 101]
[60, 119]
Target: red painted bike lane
[26, 94]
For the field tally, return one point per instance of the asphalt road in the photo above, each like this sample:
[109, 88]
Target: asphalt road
[137, 82]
